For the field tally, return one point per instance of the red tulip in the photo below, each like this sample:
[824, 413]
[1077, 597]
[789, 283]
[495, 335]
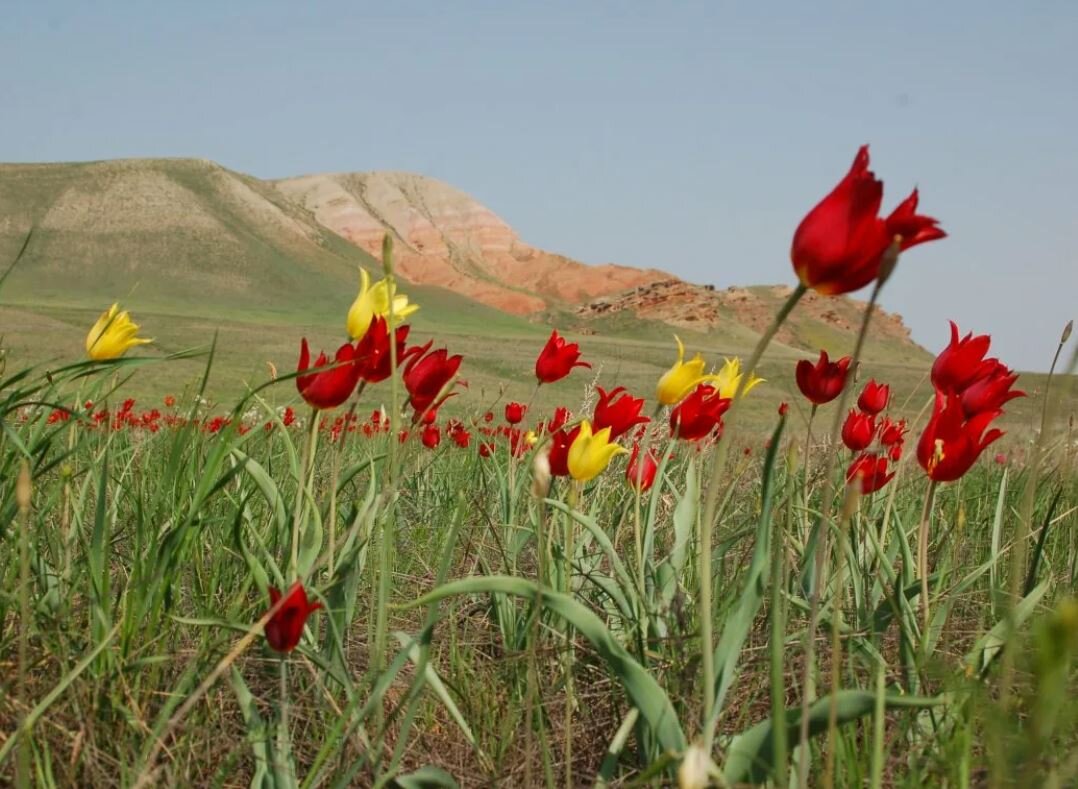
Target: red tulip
[784, 408]
[431, 436]
[640, 473]
[486, 449]
[990, 392]
[284, 628]
[373, 356]
[461, 437]
[892, 432]
[894, 452]
[559, 420]
[874, 397]
[1001, 459]
[557, 359]
[871, 470]
[952, 443]
[514, 413]
[839, 245]
[822, 382]
[327, 388]
[858, 430]
[620, 414]
[699, 413]
[426, 374]
[962, 362]
[560, 441]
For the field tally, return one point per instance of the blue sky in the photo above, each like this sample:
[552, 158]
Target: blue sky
[687, 136]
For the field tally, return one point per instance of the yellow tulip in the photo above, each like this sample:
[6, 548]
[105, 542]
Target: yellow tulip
[729, 378]
[375, 300]
[112, 335]
[682, 378]
[590, 453]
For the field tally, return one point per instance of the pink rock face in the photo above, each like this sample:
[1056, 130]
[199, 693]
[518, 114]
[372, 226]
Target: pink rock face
[452, 241]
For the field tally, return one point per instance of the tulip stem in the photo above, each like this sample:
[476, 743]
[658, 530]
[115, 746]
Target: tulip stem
[711, 502]
[922, 554]
[306, 485]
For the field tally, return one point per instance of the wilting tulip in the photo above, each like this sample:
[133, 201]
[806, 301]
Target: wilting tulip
[373, 354]
[728, 379]
[871, 470]
[514, 413]
[284, 628]
[590, 453]
[839, 245]
[620, 413]
[822, 382]
[991, 392]
[560, 441]
[682, 378]
[892, 432]
[962, 362]
[858, 430]
[328, 388]
[375, 301]
[640, 473]
[557, 359]
[113, 335]
[874, 397]
[426, 374]
[431, 437]
[699, 413]
[952, 443]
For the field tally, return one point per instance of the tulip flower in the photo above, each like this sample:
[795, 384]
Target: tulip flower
[1001, 459]
[699, 413]
[962, 362]
[559, 420]
[858, 430]
[640, 473]
[426, 375]
[682, 378]
[514, 413]
[991, 392]
[431, 437]
[284, 628]
[113, 335]
[375, 301]
[327, 388]
[728, 379]
[874, 397]
[951, 443]
[839, 245]
[822, 382]
[373, 354]
[892, 432]
[557, 359]
[871, 470]
[618, 410]
[590, 453]
[560, 441]
[461, 437]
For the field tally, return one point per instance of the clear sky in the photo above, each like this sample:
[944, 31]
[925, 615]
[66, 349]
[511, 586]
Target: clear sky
[687, 136]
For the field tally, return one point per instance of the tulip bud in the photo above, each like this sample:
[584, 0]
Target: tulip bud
[23, 489]
[1066, 332]
[541, 474]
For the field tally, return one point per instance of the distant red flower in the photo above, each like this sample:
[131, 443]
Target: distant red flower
[871, 470]
[699, 413]
[640, 473]
[169, 401]
[951, 443]
[822, 382]
[560, 441]
[874, 397]
[285, 627]
[426, 375]
[557, 359]
[330, 387]
[892, 432]
[962, 362]
[559, 420]
[858, 430]
[991, 391]
[289, 416]
[431, 436]
[461, 437]
[784, 408]
[1001, 459]
[840, 243]
[620, 414]
[514, 412]
[486, 449]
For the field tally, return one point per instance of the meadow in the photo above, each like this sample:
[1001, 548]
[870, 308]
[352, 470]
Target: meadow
[312, 581]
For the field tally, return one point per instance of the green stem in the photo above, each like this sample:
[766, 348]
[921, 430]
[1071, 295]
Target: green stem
[922, 554]
[307, 480]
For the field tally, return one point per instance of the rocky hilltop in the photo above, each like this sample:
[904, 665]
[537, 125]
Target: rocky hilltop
[447, 238]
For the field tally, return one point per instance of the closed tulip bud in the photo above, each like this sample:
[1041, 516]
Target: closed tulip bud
[514, 413]
[541, 476]
[112, 335]
[431, 437]
[590, 453]
[858, 430]
[24, 488]
[1066, 333]
[874, 397]
[285, 627]
[640, 473]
